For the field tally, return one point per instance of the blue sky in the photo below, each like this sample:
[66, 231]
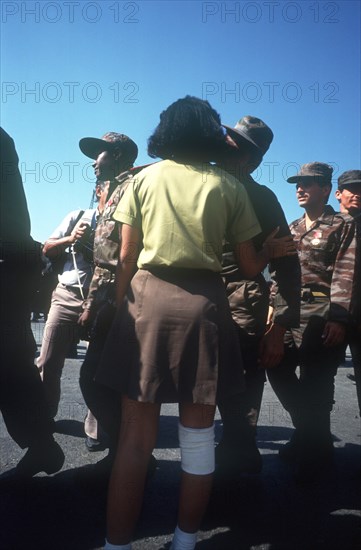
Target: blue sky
[72, 69]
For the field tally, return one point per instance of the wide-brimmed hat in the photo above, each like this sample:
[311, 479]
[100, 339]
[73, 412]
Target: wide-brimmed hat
[111, 141]
[318, 171]
[253, 130]
[348, 178]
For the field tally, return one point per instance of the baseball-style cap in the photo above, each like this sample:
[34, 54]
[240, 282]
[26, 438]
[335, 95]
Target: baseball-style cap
[112, 142]
[348, 178]
[318, 171]
[254, 131]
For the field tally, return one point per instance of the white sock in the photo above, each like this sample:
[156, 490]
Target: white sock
[110, 546]
[182, 540]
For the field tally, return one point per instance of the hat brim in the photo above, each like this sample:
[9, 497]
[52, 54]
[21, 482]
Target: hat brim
[295, 179]
[320, 179]
[353, 182]
[92, 147]
[238, 134]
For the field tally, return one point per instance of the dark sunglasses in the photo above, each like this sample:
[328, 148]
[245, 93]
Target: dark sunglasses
[305, 184]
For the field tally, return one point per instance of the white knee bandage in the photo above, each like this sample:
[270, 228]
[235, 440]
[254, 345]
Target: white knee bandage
[197, 449]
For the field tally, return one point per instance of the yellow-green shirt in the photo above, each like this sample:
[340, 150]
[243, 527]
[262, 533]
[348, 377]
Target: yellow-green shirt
[185, 212]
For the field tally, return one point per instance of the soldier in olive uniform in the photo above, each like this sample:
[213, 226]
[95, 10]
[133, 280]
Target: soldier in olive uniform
[349, 196]
[114, 156]
[326, 249]
[249, 302]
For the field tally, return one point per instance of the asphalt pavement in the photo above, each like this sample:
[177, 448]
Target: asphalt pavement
[66, 511]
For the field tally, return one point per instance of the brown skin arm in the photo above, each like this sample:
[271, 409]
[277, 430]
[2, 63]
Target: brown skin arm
[333, 334]
[271, 347]
[85, 318]
[127, 265]
[277, 247]
[252, 262]
[54, 247]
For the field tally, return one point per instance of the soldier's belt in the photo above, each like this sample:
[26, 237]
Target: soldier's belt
[106, 267]
[309, 295]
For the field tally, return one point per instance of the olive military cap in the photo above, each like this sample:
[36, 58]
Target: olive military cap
[254, 131]
[112, 142]
[348, 178]
[318, 171]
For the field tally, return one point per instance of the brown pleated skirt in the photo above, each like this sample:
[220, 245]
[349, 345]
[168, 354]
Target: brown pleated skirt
[173, 340]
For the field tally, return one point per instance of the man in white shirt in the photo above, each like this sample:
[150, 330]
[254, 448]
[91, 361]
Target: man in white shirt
[73, 238]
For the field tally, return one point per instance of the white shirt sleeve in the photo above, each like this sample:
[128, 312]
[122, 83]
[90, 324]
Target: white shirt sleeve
[63, 229]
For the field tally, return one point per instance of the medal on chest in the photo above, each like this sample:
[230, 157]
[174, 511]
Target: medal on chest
[317, 235]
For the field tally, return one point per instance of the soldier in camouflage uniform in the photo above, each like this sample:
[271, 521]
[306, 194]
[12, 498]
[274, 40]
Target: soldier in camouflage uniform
[249, 302]
[326, 249]
[114, 156]
[348, 195]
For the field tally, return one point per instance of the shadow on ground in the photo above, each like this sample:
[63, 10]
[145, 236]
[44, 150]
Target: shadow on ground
[67, 511]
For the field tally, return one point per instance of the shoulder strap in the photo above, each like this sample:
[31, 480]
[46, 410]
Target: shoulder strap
[81, 212]
[73, 255]
[73, 224]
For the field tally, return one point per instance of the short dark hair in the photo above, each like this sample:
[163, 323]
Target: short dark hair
[189, 130]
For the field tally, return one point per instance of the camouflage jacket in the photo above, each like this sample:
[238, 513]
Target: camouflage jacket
[356, 292]
[106, 246]
[284, 272]
[327, 253]
[356, 300]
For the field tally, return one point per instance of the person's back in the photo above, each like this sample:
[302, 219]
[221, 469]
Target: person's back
[186, 211]
[14, 219]
[171, 339]
[22, 401]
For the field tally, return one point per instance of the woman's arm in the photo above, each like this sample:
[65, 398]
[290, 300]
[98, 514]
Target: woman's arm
[251, 262]
[128, 256]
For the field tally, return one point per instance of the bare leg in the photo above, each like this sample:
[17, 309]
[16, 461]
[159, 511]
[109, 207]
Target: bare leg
[195, 489]
[138, 432]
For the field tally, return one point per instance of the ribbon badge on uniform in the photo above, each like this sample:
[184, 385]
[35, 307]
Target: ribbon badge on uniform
[317, 235]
